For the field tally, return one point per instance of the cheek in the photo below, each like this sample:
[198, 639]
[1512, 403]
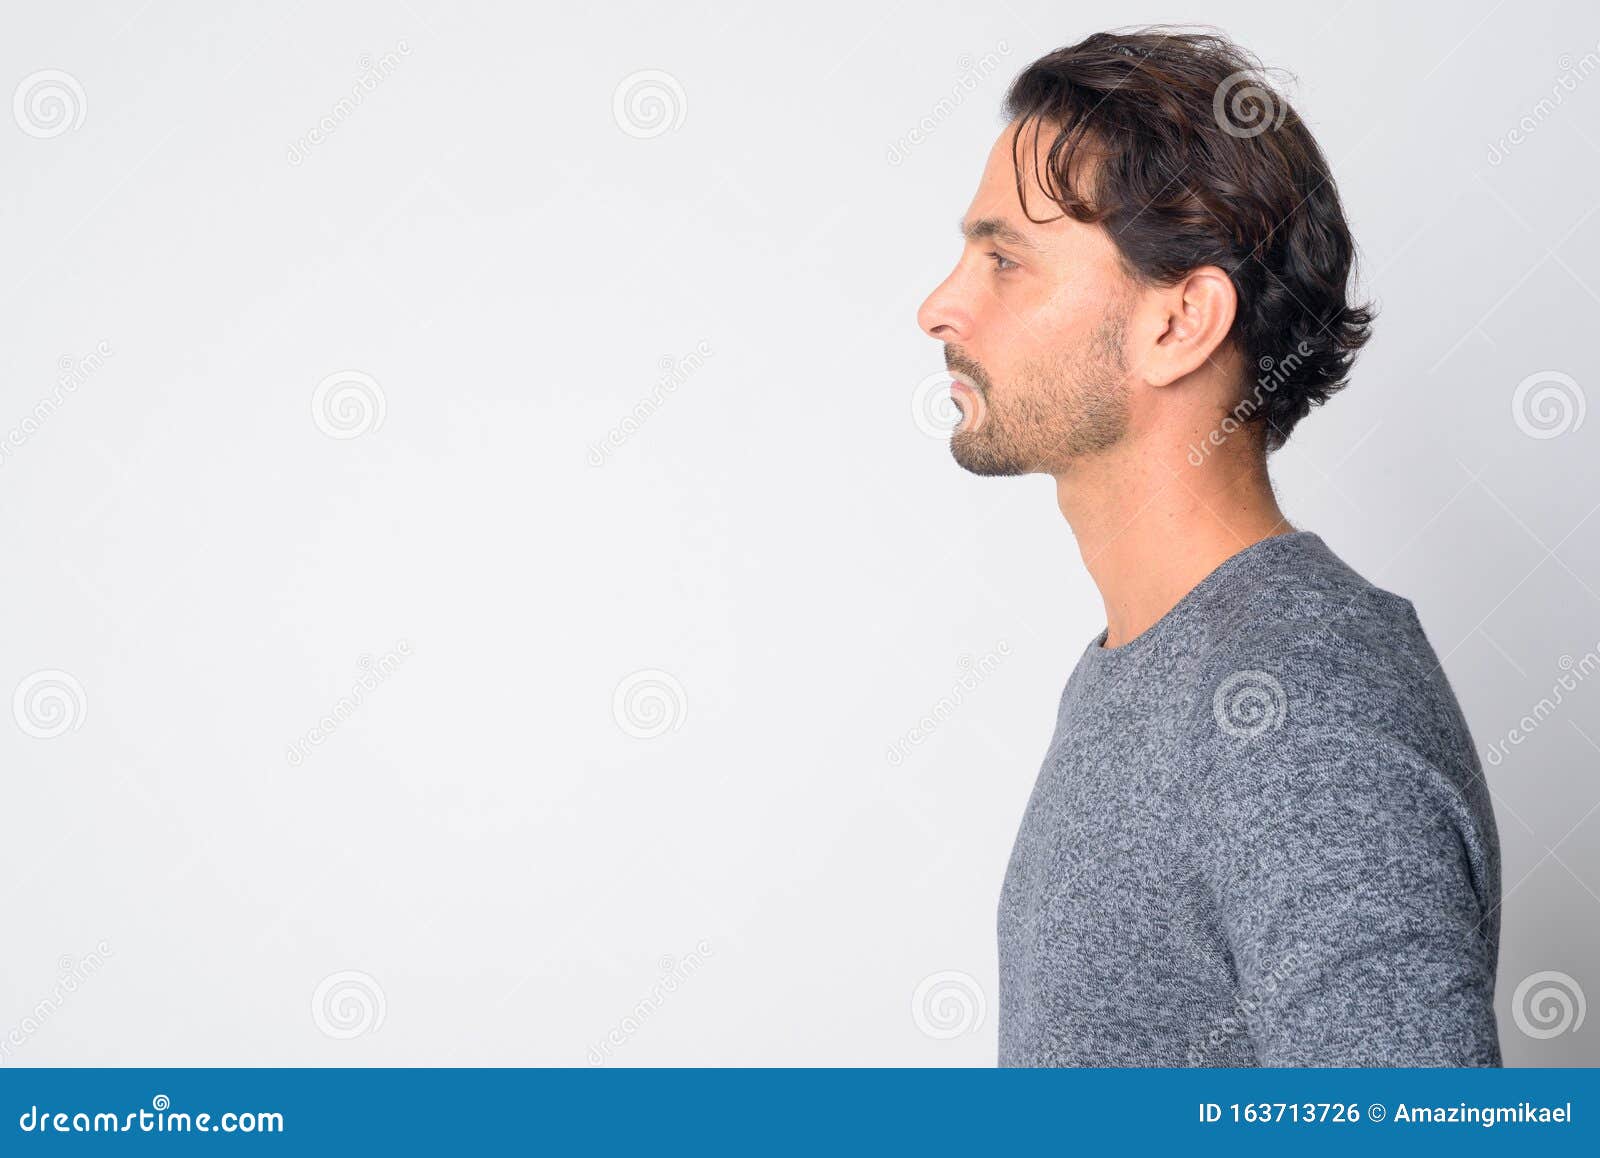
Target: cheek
[1042, 324]
[1020, 334]
[1006, 337]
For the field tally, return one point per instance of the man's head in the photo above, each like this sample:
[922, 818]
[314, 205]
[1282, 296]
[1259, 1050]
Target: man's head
[1156, 248]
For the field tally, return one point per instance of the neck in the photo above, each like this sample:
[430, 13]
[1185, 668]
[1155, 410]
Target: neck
[1150, 524]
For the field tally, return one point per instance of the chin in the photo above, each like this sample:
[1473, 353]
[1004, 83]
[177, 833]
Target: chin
[974, 455]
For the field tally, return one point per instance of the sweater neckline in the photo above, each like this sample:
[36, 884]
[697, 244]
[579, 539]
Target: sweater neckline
[1263, 552]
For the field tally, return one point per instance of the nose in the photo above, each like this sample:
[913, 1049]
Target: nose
[942, 316]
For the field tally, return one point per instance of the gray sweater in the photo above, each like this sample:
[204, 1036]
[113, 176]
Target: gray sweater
[1260, 836]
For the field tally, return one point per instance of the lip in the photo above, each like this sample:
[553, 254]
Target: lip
[967, 397]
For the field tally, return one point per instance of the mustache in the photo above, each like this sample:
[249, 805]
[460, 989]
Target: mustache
[967, 368]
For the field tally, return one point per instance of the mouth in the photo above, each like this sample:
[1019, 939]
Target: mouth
[967, 399]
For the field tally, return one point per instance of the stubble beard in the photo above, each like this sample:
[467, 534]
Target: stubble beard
[1052, 411]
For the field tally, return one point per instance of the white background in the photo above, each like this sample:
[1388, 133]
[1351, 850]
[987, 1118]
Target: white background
[482, 839]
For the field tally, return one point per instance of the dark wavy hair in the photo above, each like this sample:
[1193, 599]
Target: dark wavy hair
[1198, 161]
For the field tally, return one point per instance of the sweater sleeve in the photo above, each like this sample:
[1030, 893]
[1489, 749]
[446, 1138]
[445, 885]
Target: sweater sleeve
[1347, 873]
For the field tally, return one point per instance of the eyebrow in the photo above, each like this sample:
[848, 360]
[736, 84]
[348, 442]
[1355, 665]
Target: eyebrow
[998, 228]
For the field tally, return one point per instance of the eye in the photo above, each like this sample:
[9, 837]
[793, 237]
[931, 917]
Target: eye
[1002, 263]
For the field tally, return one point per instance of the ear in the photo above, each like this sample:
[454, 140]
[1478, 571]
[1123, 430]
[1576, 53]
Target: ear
[1194, 318]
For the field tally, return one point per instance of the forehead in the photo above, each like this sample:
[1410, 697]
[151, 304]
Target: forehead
[1000, 208]
[997, 195]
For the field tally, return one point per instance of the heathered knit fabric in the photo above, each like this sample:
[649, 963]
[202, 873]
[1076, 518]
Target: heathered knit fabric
[1260, 836]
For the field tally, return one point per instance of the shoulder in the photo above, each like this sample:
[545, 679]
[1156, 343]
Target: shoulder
[1352, 658]
[1329, 699]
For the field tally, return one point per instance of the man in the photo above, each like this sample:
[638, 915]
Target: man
[1260, 835]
